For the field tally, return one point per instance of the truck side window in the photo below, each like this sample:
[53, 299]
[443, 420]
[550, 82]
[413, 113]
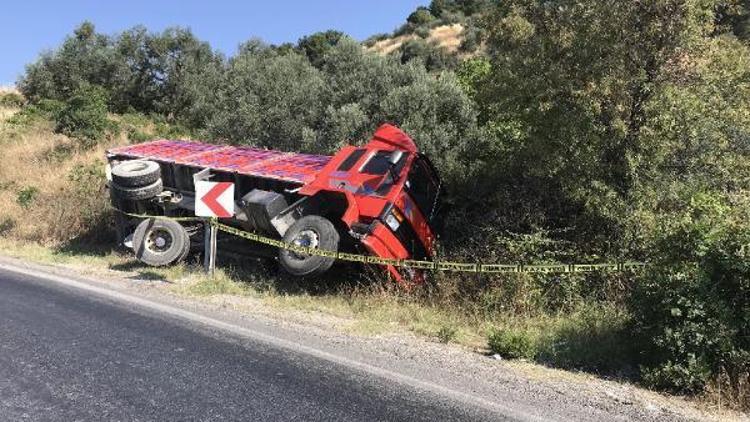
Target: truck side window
[422, 187]
[351, 160]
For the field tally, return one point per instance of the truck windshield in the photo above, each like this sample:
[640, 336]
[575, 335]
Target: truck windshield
[378, 164]
[422, 186]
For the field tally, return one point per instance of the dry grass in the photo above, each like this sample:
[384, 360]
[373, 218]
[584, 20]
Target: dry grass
[448, 37]
[41, 202]
[728, 392]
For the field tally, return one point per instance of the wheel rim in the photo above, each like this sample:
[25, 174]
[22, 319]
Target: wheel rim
[159, 241]
[305, 238]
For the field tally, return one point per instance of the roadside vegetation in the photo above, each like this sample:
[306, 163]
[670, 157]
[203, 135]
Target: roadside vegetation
[585, 132]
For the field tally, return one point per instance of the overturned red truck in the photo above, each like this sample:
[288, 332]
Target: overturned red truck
[383, 198]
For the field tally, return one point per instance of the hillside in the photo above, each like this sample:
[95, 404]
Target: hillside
[448, 37]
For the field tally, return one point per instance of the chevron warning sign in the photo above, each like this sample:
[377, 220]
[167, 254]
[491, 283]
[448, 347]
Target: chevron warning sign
[214, 199]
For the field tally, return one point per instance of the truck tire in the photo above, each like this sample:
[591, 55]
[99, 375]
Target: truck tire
[186, 250]
[136, 173]
[311, 231]
[158, 242]
[137, 193]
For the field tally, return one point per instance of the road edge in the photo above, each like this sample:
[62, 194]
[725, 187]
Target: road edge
[101, 290]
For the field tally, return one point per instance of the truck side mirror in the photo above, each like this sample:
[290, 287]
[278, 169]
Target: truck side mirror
[395, 157]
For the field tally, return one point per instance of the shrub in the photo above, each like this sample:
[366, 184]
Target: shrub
[87, 214]
[34, 113]
[315, 46]
[693, 307]
[472, 40]
[434, 58]
[269, 99]
[369, 42]
[11, 99]
[513, 343]
[594, 337]
[446, 334]
[26, 196]
[84, 116]
[422, 32]
[6, 224]
[421, 16]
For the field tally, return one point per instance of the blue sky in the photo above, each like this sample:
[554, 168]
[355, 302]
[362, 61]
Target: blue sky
[31, 26]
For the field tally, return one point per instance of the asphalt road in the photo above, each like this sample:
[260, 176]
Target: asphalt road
[68, 354]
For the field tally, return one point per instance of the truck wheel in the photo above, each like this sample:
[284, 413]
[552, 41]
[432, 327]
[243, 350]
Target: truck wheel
[139, 193]
[158, 242]
[313, 232]
[136, 173]
[186, 250]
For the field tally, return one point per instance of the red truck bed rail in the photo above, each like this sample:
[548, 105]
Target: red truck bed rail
[269, 164]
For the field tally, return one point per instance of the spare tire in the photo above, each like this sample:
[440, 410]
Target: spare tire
[136, 173]
[158, 242]
[314, 232]
[137, 193]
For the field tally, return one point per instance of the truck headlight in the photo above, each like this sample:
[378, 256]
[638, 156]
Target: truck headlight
[392, 222]
[394, 219]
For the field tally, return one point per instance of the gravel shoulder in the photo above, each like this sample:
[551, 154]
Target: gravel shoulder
[523, 391]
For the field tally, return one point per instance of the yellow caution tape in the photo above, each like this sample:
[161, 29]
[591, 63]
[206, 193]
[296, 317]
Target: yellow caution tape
[409, 263]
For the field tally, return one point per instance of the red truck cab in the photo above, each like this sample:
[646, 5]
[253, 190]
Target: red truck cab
[392, 195]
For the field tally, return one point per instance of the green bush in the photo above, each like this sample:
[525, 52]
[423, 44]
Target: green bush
[472, 40]
[421, 16]
[35, 113]
[84, 116]
[595, 338]
[315, 46]
[693, 307]
[513, 343]
[370, 41]
[26, 196]
[446, 334]
[434, 58]
[11, 99]
[91, 221]
[422, 32]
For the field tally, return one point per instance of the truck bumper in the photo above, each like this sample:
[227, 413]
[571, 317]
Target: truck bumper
[383, 243]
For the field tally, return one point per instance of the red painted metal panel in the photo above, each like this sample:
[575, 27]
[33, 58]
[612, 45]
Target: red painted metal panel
[290, 167]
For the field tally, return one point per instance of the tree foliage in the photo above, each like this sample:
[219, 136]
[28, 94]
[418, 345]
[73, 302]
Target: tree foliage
[315, 46]
[140, 71]
[620, 116]
[433, 57]
[84, 115]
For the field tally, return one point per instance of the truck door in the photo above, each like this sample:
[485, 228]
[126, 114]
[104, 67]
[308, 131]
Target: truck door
[419, 205]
